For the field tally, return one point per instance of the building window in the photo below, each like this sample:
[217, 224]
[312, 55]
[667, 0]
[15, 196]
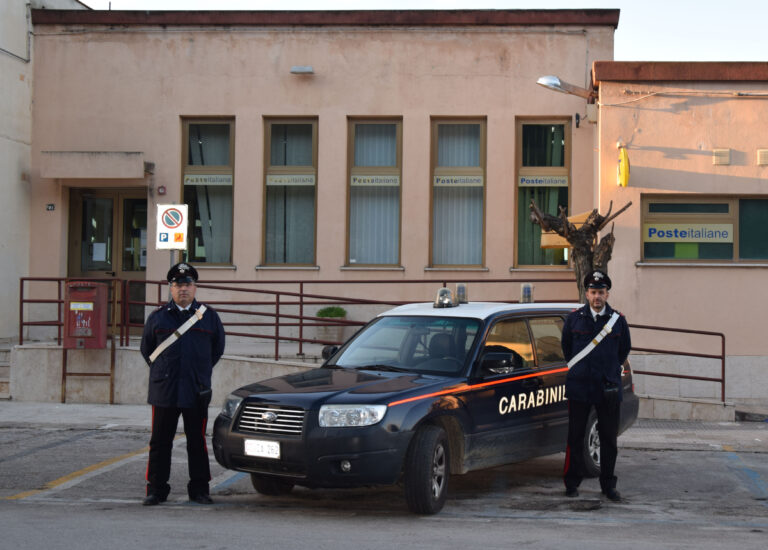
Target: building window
[543, 168]
[374, 192]
[458, 193]
[207, 189]
[291, 182]
[683, 228]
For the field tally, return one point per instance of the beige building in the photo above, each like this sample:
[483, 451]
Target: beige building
[693, 247]
[402, 145]
[319, 145]
[16, 70]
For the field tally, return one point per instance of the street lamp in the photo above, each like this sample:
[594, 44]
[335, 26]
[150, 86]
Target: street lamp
[554, 83]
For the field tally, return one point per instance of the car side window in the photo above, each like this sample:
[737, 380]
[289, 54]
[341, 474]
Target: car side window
[547, 332]
[512, 335]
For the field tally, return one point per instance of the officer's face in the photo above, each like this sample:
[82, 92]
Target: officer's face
[597, 298]
[183, 293]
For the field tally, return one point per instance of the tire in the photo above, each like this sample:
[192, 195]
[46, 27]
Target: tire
[427, 468]
[271, 486]
[591, 447]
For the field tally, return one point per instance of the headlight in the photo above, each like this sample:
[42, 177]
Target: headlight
[231, 403]
[342, 416]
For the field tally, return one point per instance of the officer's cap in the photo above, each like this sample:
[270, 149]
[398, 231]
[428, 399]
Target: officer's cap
[182, 273]
[597, 279]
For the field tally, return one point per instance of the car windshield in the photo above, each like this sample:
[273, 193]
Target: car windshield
[437, 345]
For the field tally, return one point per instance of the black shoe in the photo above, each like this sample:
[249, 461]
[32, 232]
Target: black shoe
[571, 492]
[201, 499]
[152, 499]
[612, 494]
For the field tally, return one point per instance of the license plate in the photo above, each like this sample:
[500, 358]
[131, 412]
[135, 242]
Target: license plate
[264, 449]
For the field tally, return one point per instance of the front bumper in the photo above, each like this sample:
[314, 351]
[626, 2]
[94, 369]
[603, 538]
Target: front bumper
[313, 459]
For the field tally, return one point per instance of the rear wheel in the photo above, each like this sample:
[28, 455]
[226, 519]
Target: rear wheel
[271, 486]
[427, 471]
[592, 447]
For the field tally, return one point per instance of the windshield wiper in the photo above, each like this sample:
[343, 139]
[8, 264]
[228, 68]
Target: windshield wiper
[382, 367]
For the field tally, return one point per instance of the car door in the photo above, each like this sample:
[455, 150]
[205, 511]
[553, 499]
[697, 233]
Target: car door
[498, 404]
[549, 401]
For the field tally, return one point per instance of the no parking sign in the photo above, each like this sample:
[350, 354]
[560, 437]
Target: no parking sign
[171, 227]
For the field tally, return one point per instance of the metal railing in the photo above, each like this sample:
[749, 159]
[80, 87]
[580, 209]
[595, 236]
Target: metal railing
[720, 356]
[279, 309]
[276, 306]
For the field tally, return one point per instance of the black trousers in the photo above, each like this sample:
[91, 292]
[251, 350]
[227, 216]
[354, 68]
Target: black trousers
[607, 428]
[164, 423]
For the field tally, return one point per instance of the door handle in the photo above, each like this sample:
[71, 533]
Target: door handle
[110, 273]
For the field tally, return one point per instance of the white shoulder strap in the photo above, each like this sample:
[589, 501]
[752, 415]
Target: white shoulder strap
[165, 344]
[596, 340]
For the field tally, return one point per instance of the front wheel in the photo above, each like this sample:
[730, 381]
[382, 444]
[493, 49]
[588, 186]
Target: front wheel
[592, 447]
[427, 470]
[271, 486]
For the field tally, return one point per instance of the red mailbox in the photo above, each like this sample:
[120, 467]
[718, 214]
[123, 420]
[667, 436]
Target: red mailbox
[85, 321]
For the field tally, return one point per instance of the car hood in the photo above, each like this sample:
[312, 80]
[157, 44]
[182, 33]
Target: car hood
[339, 385]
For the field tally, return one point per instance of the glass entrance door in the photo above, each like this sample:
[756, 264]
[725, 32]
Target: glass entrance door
[108, 239]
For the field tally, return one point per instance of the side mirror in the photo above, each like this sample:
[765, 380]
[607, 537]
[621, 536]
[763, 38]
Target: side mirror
[497, 362]
[329, 351]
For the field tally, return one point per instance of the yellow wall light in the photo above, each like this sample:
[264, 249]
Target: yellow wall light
[622, 170]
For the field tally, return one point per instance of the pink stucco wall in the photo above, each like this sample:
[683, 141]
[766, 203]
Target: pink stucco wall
[670, 129]
[126, 89]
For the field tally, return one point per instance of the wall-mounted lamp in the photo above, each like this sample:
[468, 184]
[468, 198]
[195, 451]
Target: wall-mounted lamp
[622, 169]
[302, 69]
[552, 82]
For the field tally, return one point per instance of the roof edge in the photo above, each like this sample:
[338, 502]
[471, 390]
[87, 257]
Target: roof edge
[679, 71]
[583, 17]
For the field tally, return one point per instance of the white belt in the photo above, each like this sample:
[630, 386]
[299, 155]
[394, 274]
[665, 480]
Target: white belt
[596, 340]
[198, 314]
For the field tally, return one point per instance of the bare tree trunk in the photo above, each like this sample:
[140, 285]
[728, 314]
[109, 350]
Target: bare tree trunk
[587, 253]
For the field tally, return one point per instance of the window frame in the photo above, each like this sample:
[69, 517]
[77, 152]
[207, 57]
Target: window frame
[437, 171]
[191, 169]
[269, 169]
[521, 171]
[732, 217]
[353, 170]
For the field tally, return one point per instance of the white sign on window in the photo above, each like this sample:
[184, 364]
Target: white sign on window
[171, 227]
[208, 179]
[376, 181]
[458, 181]
[688, 233]
[291, 179]
[542, 181]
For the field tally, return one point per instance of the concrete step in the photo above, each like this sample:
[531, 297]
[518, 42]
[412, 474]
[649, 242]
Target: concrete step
[678, 408]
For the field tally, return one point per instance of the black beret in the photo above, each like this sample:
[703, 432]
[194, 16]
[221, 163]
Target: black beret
[182, 273]
[597, 279]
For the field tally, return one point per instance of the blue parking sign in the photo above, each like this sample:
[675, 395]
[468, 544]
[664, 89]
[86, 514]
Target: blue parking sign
[163, 237]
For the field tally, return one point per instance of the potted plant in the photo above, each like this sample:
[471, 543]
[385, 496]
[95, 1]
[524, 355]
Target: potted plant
[331, 333]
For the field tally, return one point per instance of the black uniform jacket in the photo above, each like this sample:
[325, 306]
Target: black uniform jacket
[178, 373]
[586, 379]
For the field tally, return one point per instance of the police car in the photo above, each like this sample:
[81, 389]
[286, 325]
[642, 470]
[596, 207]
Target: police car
[423, 392]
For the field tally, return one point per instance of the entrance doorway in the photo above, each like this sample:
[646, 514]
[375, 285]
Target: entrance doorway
[108, 238]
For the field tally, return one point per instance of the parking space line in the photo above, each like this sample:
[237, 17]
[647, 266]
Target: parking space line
[74, 478]
[749, 477]
[226, 479]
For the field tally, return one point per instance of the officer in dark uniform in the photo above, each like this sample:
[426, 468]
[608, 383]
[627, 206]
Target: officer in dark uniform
[178, 380]
[595, 381]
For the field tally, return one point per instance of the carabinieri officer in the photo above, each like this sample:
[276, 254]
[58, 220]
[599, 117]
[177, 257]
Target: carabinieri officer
[594, 381]
[180, 383]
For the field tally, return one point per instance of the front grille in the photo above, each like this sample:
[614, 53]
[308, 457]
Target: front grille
[266, 419]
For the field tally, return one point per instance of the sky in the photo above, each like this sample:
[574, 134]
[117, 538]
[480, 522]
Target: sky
[649, 30]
